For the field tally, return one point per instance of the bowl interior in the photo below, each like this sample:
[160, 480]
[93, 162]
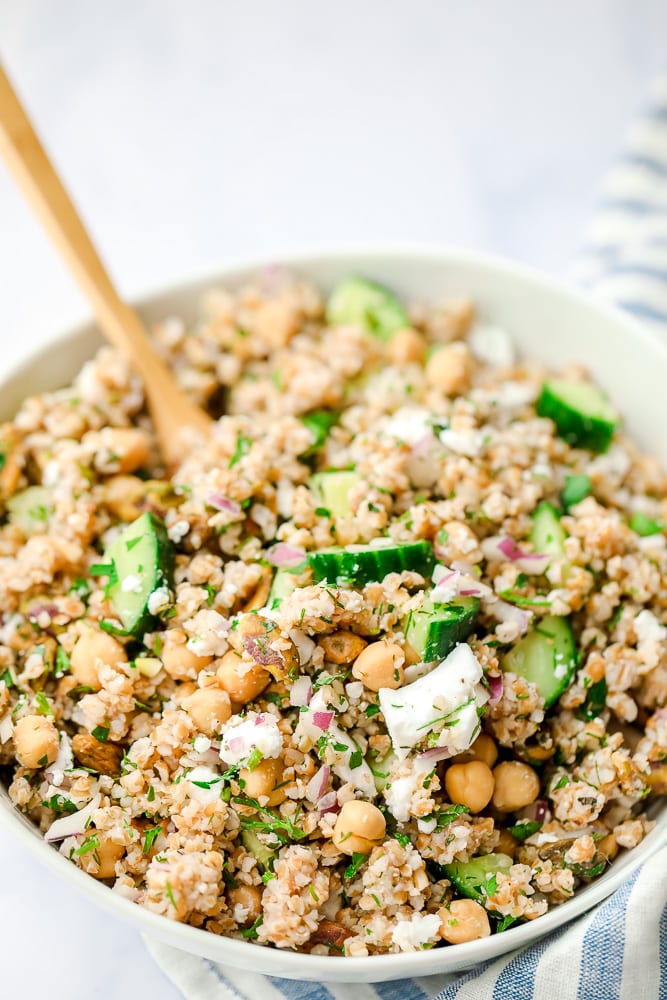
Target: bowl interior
[548, 322]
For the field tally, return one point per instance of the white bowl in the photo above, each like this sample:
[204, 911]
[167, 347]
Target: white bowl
[548, 321]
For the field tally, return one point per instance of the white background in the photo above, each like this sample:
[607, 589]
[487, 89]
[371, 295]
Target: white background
[197, 130]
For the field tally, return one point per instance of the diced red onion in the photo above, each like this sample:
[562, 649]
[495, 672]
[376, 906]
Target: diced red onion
[502, 611]
[39, 609]
[236, 744]
[531, 563]
[328, 803]
[224, 504]
[285, 556]
[317, 786]
[495, 688]
[436, 753]
[262, 653]
[6, 727]
[538, 811]
[73, 824]
[301, 692]
[322, 720]
[260, 719]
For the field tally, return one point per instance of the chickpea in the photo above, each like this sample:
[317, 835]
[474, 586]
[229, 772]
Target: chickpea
[608, 847]
[249, 898]
[243, 680]
[380, 665]
[406, 346]
[263, 780]
[208, 708]
[342, 647]
[463, 920]
[179, 661]
[449, 368]
[359, 828]
[517, 785]
[470, 784]
[122, 449]
[101, 862]
[483, 749]
[36, 741]
[91, 650]
[507, 844]
[123, 496]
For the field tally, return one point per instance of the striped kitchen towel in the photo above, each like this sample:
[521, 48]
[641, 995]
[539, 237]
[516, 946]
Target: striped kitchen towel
[619, 950]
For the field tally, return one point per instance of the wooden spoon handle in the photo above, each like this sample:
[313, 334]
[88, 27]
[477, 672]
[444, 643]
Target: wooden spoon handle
[120, 324]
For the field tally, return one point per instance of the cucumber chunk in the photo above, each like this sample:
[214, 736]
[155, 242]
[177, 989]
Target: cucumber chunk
[30, 509]
[284, 582]
[332, 490]
[264, 855]
[435, 629]
[140, 561]
[575, 490]
[319, 423]
[361, 564]
[547, 657]
[476, 879]
[583, 415]
[356, 300]
[547, 534]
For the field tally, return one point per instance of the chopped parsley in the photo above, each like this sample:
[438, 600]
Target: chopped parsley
[524, 828]
[250, 934]
[284, 828]
[150, 837]
[101, 733]
[60, 804]
[372, 710]
[596, 699]
[62, 663]
[170, 894]
[448, 815]
[243, 445]
[355, 864]
[42, 704]
[644, 526]
[91, 843]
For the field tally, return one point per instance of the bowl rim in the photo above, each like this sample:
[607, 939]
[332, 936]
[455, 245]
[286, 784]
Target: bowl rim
[284, 963]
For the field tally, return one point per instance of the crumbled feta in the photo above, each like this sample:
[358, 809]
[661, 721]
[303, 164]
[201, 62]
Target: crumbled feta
[492, 345]
[428, 824]
[158, 600]
[256, 732]
[441, 706]
[647, 627]
[614, 462]
[178, 531]
[399, 792]
[202, 744]
[409, 935]
[409, 424]
[468, 443]
[208, 630]
[132, 585]
[341, 751]
[208, 784]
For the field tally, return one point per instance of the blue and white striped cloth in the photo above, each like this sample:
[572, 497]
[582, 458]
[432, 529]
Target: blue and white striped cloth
[619, 950]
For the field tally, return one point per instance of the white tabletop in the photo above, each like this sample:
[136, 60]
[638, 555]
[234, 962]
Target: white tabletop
[194, 132]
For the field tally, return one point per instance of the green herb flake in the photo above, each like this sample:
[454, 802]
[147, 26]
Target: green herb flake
[355, 864]
[524, 828]
[42, 704]
[243, 445]
[101, 733]
[644, 526]
[62, 663]
[150, 837]
[255, 758]
[250, 934]
[372, 710]
[448, 815]
[91, 843]
[170, 894]
[60, 804]
[150, 795]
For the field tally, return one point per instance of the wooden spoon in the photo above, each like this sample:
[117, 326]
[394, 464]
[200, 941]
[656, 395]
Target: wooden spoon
[170, 408]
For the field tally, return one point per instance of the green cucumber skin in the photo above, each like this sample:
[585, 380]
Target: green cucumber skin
[376, 308]
[264, 855]
[164, 561]
[547, 534]
[434, 631]
[469, 876]
[22, 507]
[578, 429]
[282, 585]
[534, 657]
[359, 565]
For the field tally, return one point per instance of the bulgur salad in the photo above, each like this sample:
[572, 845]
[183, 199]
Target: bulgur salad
[381, 666]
